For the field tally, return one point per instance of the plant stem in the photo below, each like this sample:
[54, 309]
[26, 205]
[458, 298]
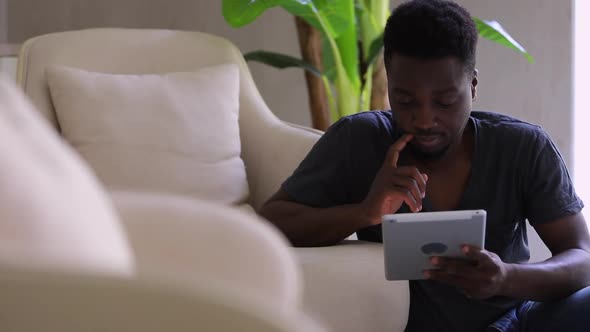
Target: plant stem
[347, 95]
[331, 101]
[310, 45]
[373, 19]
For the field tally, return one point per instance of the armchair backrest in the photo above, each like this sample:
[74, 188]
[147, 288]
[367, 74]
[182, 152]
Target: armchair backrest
[144, 51]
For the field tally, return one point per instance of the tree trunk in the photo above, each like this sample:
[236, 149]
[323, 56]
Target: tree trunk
[379, 96]
[310, 44]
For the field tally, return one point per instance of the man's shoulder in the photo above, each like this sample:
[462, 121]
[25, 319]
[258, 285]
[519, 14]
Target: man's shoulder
[366, 125]
[508, 138]
[504, 127]
[375, 119]
[502, 120]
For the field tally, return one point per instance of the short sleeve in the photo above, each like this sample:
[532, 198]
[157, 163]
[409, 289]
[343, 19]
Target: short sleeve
[321, 178]
[549, 191]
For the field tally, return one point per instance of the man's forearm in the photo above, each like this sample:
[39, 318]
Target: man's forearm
[311, 227]
[555, 278]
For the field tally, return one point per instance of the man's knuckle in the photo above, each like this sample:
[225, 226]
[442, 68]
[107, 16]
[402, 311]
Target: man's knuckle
[403, 190]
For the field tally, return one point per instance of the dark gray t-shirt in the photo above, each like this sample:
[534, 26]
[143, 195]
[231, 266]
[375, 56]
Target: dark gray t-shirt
[517, 173]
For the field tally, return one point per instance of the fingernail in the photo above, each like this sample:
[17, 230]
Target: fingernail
[423, 195]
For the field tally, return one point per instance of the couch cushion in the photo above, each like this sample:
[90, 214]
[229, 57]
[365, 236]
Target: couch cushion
[54, 215]
[346, 289]
[175, 133]
[238, 250]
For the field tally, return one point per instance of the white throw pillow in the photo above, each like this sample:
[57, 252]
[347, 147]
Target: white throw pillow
[173, 133]
[54, 215]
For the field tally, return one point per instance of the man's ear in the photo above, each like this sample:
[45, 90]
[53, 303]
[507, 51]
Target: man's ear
[474, 82]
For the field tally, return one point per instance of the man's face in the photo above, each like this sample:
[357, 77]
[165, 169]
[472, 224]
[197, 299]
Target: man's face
[432, 100]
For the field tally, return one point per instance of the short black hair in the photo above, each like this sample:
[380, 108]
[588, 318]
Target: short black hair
[431, 29]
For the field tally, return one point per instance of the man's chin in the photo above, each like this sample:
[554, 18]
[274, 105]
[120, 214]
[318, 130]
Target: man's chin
[430, 153]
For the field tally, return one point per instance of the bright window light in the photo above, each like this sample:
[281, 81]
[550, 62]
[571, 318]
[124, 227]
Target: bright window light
[581, 167]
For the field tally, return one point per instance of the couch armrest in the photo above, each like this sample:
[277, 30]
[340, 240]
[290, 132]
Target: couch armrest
[346, 290]
[179, 240]
[70, 302]
[271, 153]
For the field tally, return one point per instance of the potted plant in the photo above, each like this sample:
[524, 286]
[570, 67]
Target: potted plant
[341, 42]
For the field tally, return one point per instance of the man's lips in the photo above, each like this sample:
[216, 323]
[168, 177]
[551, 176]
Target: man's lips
[427, 140]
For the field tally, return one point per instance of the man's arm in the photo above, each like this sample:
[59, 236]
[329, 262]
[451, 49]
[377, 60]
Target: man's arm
[561, 275]
[307, 226]
[564, 273]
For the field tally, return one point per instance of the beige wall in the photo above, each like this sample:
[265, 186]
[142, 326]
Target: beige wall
[3, 19]
[284, 90]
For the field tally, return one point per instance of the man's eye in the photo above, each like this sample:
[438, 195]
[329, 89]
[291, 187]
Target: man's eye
[445, 103]
[404, 102]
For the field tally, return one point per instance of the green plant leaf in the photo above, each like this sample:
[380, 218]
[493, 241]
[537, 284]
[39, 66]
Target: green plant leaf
[242, 12]
[328, 61]
[332, 12]
[280, 61]
[493, 31]
[348, 45]
[335, 19]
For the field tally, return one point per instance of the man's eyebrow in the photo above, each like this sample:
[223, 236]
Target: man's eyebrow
[401, 91]
[436, 92]
[445, 91]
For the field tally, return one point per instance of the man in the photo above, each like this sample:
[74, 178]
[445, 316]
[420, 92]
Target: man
[432, 153]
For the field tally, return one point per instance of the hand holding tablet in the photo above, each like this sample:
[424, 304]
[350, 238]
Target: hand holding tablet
[411, 239]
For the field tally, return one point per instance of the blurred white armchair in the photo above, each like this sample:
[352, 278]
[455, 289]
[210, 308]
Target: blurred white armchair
[68, 302]
[66, 265]
[343, 286]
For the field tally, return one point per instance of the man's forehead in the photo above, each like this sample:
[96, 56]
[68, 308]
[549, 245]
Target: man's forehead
[439, 74]
[400, 62]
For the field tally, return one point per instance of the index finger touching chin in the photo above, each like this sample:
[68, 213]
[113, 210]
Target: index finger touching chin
[397, 147]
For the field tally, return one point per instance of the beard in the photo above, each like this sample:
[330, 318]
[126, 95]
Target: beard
[428, 155]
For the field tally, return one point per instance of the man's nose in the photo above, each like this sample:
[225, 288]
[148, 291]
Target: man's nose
[424, 118]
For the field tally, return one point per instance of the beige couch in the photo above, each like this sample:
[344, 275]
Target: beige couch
[343, 286]
[66, 264]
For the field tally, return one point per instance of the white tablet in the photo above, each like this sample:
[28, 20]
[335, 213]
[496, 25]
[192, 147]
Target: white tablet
[410, 239]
